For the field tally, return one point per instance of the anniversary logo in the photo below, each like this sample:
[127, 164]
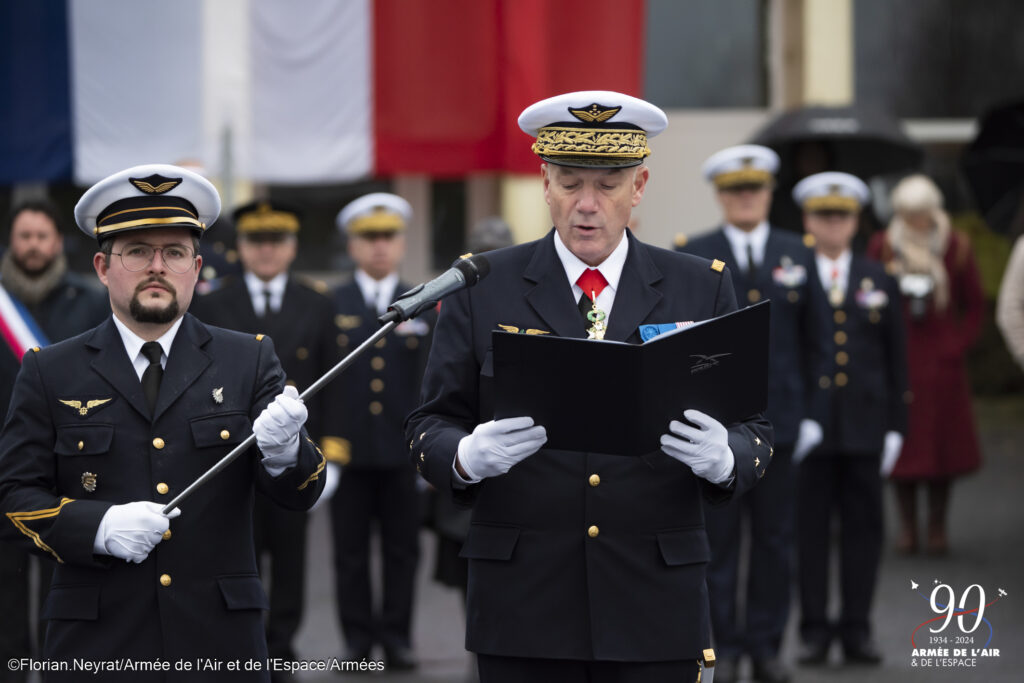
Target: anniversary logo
[960, 635]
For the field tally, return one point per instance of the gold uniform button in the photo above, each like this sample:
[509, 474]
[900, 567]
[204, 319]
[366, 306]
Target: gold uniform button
[753, 296]
[165, 579]
[225, 434]
[839, 317]
[793, 296]
[162, 488]
[412, 342]
[81, 445]
[824, 382]
[593, 532]
[842, 358]
[302, 353]
[342, 340]
[840, 337]
[377, 363]
[594, 480]
[376, 408]
[875, 317]
[376, 385]
[167, 535]
[841, 379]
[381, 343]
[158, 443]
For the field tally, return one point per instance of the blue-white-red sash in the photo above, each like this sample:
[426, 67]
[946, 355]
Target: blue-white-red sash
[20, 331]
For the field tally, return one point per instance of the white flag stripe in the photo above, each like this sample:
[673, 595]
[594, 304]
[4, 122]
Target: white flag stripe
[311, 91]
[136, 88]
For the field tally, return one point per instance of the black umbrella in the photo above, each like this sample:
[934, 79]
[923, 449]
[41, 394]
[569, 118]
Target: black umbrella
[994, 166]
[855, 140]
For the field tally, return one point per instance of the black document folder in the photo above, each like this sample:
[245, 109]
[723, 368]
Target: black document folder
[617, 398]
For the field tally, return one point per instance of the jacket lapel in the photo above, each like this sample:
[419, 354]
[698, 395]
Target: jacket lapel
[551, 295]
[113, 365]
[186, 362]
[635, 297]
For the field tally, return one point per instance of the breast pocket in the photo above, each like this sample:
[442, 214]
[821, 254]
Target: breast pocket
[224, 429]
[84, 439]
[688, 546]
[243, 591]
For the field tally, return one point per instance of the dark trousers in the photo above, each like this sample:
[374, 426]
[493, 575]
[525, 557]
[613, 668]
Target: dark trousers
[769, 508]
[495, 669]
[390, 497]
[16, 566]
[281, 535]
[832, 483]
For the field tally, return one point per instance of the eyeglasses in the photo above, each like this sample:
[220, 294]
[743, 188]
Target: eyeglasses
[136, 257]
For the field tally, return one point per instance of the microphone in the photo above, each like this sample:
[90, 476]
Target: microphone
[465, 272]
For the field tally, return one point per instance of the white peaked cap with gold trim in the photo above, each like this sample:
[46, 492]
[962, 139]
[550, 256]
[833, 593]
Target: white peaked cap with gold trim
[374, 212]
[741, 165]
[148, 196]
[592, 128]
[831, 191]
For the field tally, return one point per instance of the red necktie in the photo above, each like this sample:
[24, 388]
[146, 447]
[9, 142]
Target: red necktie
[592, 283]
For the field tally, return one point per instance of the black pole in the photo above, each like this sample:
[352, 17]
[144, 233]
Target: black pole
[251, 439]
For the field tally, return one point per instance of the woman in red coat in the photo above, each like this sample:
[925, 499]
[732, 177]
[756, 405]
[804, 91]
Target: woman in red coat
[944, 303]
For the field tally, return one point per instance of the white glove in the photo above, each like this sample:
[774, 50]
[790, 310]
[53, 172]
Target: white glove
[332, 475]
[808, 439]
[132, 530]
[495, 446]
[704, 448]
[277, 431]
[890, 452]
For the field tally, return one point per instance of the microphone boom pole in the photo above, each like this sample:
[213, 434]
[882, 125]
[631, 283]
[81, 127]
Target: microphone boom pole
[465, 273]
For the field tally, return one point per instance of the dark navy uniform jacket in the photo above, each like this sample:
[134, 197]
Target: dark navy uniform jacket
[80, 438]
[797, 357]
[302, 331]
[382, 386]
[578, 555]
[867, 379]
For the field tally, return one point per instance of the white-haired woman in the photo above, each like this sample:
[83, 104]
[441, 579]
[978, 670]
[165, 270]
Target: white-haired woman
[944, 305]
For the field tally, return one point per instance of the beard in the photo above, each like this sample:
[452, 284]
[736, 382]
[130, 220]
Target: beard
[141, 314]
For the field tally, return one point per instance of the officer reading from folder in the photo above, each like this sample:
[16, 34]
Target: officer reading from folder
[582, 565]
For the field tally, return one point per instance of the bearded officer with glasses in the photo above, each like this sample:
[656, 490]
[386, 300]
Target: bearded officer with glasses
[106, 428]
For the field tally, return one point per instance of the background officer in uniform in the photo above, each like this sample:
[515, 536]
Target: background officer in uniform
[268, 299]
[766, 262]
[380, 389]
[59, 304]
[107, 427]
[582, 566]
[863, 432]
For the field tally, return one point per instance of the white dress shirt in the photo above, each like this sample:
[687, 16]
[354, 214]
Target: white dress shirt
[378, 294]
[257, 287]
[611, 269]
[133, 345]
[840, 268]
[739, 239]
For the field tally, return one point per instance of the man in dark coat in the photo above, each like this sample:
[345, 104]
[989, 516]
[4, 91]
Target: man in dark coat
[766, 262]
[582, 566]
[268, 299]
[866, 384]
[377, 482]
[106, 428]
[56, 303]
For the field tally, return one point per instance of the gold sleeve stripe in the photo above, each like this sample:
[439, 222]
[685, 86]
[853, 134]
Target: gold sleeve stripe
[19, 519]
[316, 474]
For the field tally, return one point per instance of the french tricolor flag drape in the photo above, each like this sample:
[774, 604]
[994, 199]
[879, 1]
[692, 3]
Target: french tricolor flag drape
[296, 92]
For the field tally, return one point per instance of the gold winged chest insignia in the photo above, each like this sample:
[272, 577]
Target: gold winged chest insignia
[89, 405]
